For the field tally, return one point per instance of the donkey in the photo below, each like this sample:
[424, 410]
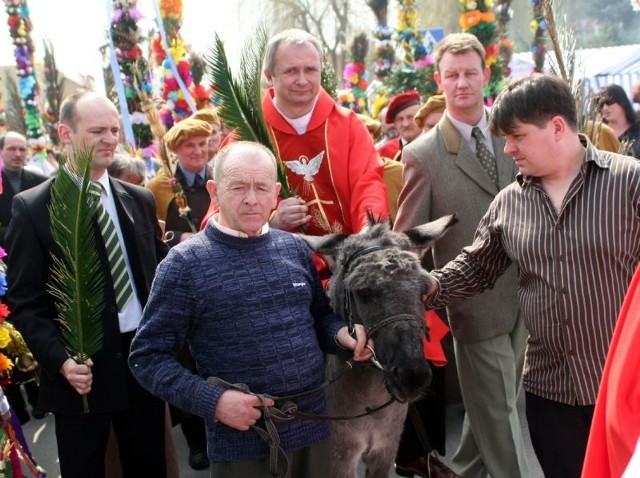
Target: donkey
[377, 281]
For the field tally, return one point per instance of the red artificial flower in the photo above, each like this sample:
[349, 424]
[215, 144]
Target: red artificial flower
[491, 50]
[4, 312]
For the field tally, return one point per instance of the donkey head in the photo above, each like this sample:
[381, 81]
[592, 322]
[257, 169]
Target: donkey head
[378, 281]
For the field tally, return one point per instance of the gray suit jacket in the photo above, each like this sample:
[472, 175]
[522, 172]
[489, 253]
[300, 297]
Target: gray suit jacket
[442, 176]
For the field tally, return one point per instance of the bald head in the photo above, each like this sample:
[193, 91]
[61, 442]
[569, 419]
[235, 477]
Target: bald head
[13, 147]
[245, 187]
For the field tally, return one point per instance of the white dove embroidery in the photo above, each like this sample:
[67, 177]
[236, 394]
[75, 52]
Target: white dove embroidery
[306, 167]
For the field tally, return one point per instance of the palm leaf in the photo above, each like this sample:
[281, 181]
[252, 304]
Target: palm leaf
[241, 101]
[54, 91]
[78, 276]
[13, 107]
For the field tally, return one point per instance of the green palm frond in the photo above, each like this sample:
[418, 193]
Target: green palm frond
[78, 276]
[13, 107]
[241, 101]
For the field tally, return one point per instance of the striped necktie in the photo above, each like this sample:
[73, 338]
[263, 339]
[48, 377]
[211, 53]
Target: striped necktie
[486, 159]
[119, 274]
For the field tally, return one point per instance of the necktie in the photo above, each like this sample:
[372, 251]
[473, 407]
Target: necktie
[485, 157]
[119, 275]
[198, 182]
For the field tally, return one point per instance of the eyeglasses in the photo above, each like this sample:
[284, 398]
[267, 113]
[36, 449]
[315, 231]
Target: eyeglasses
[605, 101]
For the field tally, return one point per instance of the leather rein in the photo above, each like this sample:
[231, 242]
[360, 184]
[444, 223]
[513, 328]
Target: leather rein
[285, 409]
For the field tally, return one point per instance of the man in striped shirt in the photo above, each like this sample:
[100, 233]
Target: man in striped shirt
[571, 223]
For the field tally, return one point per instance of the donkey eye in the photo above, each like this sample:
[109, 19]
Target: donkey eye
[366, 296]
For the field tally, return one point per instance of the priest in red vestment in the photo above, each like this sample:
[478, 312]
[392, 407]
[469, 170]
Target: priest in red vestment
[328, 153]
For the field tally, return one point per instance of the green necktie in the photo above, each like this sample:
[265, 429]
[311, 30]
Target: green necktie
[119, 275]
[484, 156]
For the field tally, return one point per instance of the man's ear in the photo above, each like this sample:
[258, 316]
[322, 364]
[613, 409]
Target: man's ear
[64, 133]
[212, 189]
[558, 124]
[275, 199]
[487, 75]
[438, 78]
[267, 75]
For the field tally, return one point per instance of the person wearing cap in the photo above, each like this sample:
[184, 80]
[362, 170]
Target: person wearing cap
[189, 141]
[401, 110]
[210, 116]
[442, 172]
[430, 113]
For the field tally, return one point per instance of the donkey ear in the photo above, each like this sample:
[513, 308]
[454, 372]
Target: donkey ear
[328, 245]
[422, 237]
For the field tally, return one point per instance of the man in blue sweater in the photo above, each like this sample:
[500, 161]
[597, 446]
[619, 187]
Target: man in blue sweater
[249, 301]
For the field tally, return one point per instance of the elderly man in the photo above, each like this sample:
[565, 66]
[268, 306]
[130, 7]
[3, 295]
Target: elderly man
[327, 152]
[15, 178]
[401, 110]
[248, 300]
[189, 141]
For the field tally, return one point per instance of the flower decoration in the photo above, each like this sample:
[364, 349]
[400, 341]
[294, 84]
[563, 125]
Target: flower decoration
[133, 67]
[478, 18]
[417, 63]
[384, 50]
[355, 75]
[409, 38]
[504, 14]
[176, 106]
[14, 353]
[18, 19]
[200, 91]
[538, 27]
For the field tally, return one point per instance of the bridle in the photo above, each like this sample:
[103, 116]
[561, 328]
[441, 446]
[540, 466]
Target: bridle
[285, 409]
[349, 308]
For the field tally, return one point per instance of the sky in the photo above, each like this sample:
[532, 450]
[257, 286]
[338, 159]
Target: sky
[77, 29]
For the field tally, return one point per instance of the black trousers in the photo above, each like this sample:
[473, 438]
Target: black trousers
[432, 412]
[140, 433]
[559, 434]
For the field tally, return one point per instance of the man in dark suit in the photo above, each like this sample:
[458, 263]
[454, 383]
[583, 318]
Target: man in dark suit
[15, 178]
[115, 398]
[442, 174]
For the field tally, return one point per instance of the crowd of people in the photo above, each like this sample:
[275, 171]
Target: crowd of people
[215, 305]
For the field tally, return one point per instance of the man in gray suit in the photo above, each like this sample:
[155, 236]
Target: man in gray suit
[449, 170]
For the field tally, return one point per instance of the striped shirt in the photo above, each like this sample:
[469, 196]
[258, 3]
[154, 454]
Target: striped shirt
[574, 269]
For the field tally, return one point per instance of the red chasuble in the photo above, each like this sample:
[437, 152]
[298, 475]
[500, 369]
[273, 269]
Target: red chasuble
[616, 421]
[333, 166]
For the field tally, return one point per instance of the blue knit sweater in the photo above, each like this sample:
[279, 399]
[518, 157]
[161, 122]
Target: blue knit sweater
[253, 311]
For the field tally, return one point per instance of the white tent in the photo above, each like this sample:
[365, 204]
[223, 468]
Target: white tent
[597, 66]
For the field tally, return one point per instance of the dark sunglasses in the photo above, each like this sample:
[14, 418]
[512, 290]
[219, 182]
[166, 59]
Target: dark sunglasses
[605, 101]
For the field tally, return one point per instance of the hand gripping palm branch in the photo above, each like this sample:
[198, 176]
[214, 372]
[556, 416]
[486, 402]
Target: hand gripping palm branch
[241, 107]
[78, 276]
